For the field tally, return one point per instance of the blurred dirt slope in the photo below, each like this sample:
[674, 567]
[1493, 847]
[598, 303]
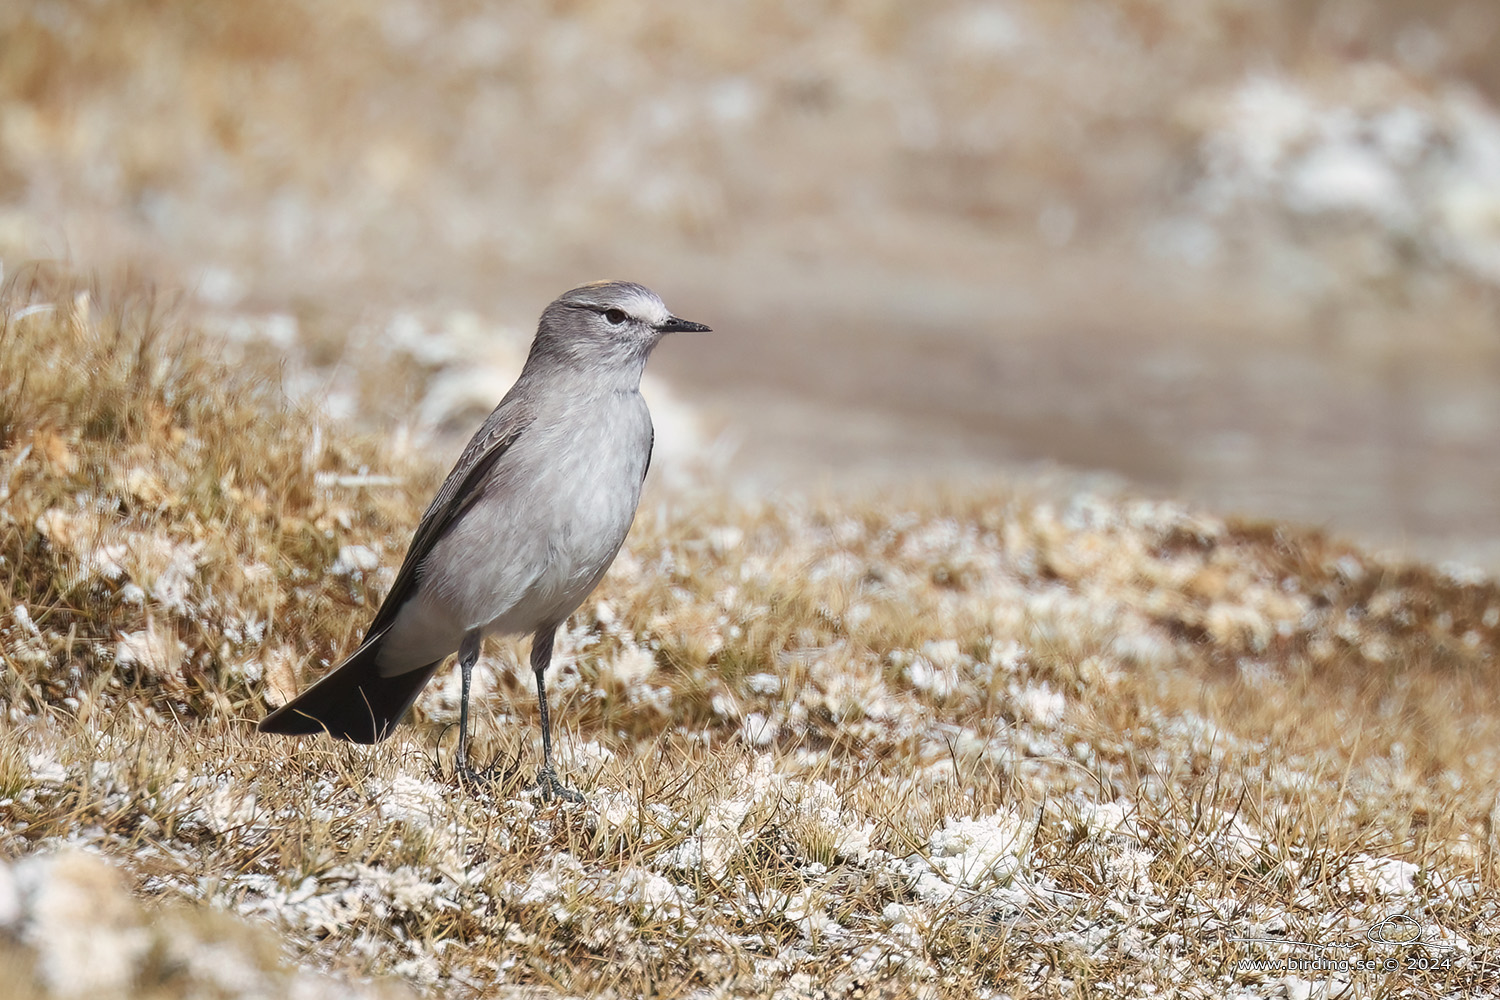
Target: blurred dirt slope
[1247, 253]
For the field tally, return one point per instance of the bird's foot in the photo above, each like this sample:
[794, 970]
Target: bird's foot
[551, 787]
[483, 777]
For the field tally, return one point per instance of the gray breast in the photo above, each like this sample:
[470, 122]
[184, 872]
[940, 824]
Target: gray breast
[597, 490]
[533, 548]
[589, 469]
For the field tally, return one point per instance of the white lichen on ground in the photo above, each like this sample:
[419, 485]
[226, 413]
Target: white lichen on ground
[951, 746]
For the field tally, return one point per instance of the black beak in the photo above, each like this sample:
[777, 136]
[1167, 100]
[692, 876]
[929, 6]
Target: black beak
[674, 325]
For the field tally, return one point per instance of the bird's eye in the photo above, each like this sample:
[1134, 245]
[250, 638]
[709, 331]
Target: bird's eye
[614, 317]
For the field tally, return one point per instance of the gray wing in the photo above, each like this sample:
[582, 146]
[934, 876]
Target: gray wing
[457, 494]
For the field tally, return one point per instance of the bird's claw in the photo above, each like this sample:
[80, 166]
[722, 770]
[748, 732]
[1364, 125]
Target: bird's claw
[483, 777]
[548, 785]
[551, 787]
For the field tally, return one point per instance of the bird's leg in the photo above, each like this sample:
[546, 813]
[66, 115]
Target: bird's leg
[546, 780]
[468, 655]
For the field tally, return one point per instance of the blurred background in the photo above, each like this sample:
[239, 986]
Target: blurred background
[1243, 252]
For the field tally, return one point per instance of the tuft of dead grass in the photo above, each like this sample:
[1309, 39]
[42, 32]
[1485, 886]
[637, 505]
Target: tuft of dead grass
[172, 528]
[974, 743]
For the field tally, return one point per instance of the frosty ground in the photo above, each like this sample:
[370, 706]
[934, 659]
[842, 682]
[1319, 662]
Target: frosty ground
[971, 742]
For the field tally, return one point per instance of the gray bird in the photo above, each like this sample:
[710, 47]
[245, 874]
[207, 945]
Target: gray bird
[522, 529]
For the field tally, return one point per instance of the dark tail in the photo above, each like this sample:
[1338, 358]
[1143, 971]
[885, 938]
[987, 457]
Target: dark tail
[353, 703]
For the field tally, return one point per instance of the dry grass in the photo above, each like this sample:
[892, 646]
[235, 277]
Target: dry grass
[951, 745]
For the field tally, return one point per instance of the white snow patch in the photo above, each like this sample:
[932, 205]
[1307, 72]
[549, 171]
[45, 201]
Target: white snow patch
[413, 801]
[1041, 705]
[763, 684]
[227, 807]
[718, 837]
[1346, 177]
[156, 651]
[938, 670]
[654, 894]
[45, 768]
[355, 559]
[757, 730]
[1383, 876]
[971, 854]
[1111, 819]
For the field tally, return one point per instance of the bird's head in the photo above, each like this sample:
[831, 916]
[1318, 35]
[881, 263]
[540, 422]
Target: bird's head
[607, 323]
